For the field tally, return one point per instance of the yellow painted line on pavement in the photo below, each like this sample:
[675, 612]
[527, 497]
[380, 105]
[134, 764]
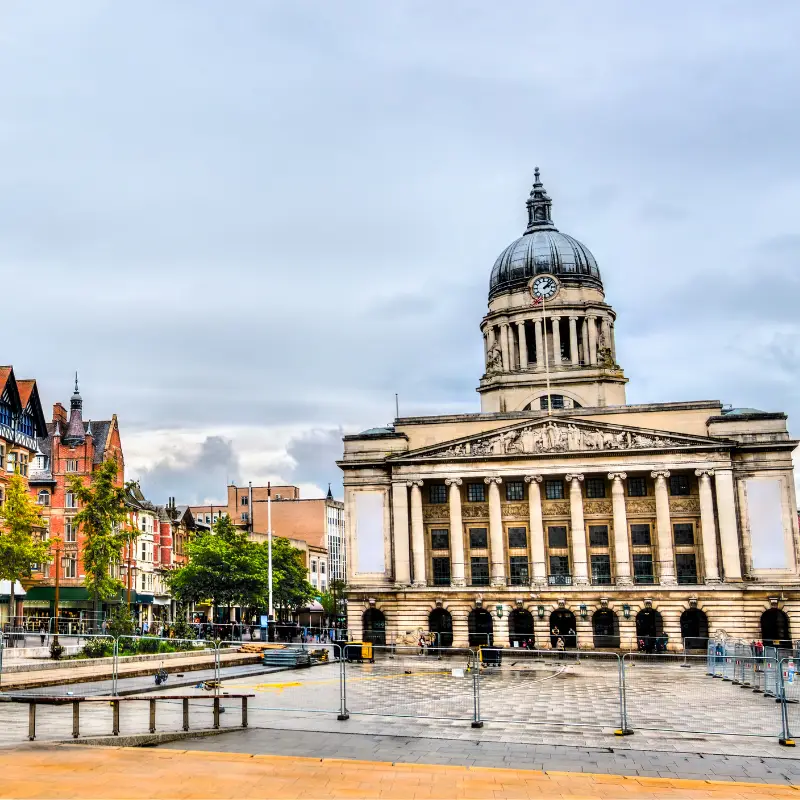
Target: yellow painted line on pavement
[329, 681]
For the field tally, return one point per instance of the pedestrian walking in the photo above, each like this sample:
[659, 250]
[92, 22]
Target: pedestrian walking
[42, 633]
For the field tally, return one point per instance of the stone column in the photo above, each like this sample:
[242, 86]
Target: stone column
[577, 531]
[612, 343]
[417, 533]
[498, 551]
[537, 332]
[504, 349]
[605, 323]
[512, 348]
[728, 531]
[666, 553]
[708, 528]
[592, 340]
[402, 556]
[621, 549]
[523, 346]
[555, 323]
[539, 567]
[573, 340]
[456, 534]
[486, 348]
[585, 340]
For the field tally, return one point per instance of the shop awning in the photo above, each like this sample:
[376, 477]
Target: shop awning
[64, 593]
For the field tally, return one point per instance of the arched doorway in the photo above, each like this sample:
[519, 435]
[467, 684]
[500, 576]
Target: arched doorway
[520, 628]
[479, 624]
[374, 626]
[775, 631]
[562, 624]
[605, 628]
[694, 629]
[650, 631]
[440, 622]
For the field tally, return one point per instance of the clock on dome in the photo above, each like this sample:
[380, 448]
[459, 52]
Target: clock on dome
[543, 287]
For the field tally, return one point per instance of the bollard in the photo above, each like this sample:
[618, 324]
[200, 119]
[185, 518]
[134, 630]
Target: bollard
[216, 713]
[343, 712]
[32, 721]
[476, 693]
[152, 716]
[115, 717]
[186, 713]
[244, 712]
[76, 719]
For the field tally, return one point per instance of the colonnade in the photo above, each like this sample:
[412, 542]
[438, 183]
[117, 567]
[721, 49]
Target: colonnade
[586, 335]
[719, 533]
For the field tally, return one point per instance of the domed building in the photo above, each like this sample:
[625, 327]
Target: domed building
[559, 508]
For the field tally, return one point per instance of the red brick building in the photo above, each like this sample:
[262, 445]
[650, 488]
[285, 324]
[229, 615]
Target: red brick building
[72, 446]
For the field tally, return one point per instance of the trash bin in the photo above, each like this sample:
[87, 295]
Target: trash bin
[490, 656]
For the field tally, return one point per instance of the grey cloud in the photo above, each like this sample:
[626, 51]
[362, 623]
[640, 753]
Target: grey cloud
[314, 455]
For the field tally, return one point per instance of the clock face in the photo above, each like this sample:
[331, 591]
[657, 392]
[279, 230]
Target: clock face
[544, 286]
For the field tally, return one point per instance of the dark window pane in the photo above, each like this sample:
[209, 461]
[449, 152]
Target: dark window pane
[519, 570]
[515, 490]
[557, 536]
[598, 535]
[554, 490]
[559, 571]
[437, 493]
[476, 492]
[595, 487]
[684, 533]
[478, 538]
[643, 569]
[440, 539]
[640, 535]
[479, 567]
[637, 487]
[517, 537]
[679, 484]
[686, 566]
[441, 571]
[558, 401]
[601, 570]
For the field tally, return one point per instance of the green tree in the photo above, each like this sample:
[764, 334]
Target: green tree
[21, 545]
[331, 601]
[103, 520]
[290, 587]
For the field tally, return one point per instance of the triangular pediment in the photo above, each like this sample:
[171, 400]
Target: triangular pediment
[546, 437]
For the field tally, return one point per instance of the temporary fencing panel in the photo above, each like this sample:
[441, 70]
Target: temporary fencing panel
[675, 693]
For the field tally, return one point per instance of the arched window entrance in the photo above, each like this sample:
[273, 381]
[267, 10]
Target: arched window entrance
[694, 629]
[520, 628]
[650, 631]
[562, 624]
[440, 622]
[775, 630]
[605, 627]
[480, 627]
[374, 626]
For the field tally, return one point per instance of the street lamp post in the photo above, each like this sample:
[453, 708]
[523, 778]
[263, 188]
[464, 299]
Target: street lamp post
[56, 561]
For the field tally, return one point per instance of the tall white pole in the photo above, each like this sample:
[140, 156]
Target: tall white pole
[546, 360]
[269, 546]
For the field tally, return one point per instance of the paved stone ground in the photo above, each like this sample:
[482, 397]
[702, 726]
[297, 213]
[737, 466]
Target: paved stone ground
[136, 773]
[508, 755]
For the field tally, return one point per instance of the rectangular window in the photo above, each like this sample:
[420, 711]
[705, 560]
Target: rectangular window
[515, 490]
[643, 569]
[558, 401]
[244, 517]
[479, 571]
[554, 490]
[679, 485]
[598, 536]
[595, 487]
[144, 552]
[640, 535]
[683, 533]
[313, 567]
[70, 567]
[69, 500]
[478, 538]
[476, 492]
[245, 500]
[518, 571]
[70, 530]
[440, 539]
[557, 536]
[686, 567]
[601, 570]
[559, 571]
[322, 569]
[72, 465]
[441, 571]
[437, 493]
[517, 537]
[637, 487]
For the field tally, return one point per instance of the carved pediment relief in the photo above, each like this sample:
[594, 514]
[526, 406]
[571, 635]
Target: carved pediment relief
[559, 436]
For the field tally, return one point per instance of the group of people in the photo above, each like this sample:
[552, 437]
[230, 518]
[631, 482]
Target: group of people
[559, 641]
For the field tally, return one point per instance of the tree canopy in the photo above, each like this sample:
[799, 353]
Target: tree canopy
[21, 545]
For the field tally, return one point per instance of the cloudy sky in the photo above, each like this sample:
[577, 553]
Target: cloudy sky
[247, 225]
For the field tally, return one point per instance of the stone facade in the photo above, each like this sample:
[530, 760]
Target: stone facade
[560, 509]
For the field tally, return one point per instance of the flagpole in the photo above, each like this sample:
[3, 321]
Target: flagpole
[269, 546]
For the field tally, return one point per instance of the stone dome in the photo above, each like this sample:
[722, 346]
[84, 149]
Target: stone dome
[543, 248]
